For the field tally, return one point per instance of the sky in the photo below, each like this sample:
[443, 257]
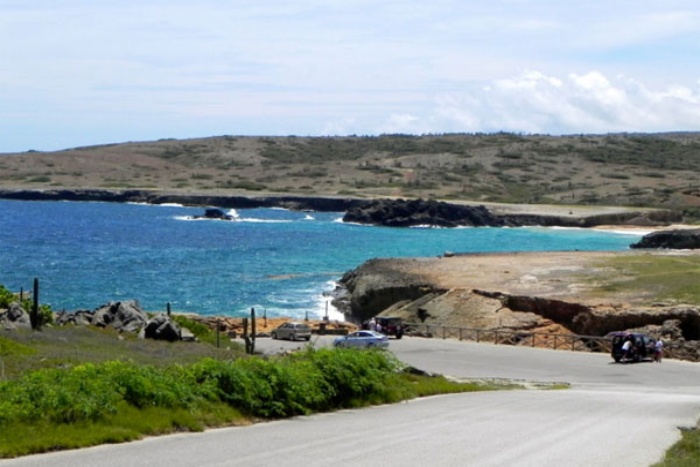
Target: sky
[84, 72]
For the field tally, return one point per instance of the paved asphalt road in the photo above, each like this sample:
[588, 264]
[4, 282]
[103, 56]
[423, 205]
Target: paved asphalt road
[614, 414]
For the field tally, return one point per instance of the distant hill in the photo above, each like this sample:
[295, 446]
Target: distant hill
[649, 170]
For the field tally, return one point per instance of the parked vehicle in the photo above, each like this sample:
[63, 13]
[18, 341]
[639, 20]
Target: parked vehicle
[292, 331]
[390, 326]
[642, 346]
[363, 340]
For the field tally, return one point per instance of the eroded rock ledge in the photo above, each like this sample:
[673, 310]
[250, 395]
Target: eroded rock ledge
[534, 292]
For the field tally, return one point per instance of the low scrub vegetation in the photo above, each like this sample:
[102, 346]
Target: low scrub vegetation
[115, 401]
[685, 453]
[671, 278]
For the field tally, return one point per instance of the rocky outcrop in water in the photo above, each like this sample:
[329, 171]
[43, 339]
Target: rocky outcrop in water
[215, 213]
[678, 239]
[397, 213]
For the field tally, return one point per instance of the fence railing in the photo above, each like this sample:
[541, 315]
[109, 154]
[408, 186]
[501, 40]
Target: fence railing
[556, 341]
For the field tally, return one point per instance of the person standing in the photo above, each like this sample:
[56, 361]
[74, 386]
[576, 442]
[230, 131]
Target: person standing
[658, 350]
[373, 324]
[626, 348]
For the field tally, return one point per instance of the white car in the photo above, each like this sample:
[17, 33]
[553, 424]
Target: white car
[363, 339]
[292, 331]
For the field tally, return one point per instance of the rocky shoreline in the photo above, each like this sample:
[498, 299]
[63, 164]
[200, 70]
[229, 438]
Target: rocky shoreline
[543, 292]
[387, 212]
[515, 291]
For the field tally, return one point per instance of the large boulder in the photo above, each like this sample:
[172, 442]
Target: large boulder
[78, 317]
[15, 317]
[162, 327]
[123, 316]
[677, 239]
[215, 213]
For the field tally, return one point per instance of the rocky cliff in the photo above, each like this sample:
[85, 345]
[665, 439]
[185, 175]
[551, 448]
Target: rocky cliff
[535, 292]
[298, 203]
[678, 239]
[418, 212]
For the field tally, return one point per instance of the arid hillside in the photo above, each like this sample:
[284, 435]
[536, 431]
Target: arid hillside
[652, 170]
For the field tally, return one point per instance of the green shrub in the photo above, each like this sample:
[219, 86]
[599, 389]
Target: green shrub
[201, 331]
[57, 396]
[6, 297]
[118, 401]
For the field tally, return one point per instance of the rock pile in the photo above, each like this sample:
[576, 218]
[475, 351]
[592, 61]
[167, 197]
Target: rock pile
[127, 316]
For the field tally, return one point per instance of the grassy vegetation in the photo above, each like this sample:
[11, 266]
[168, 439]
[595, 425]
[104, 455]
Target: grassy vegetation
[672, 278]
[78, 386]
[67, 346]
[685, 453]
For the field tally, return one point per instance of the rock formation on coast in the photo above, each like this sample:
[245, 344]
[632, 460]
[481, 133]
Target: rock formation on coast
[678, 239]
[548, 292]
[419, 212]
[387, 212]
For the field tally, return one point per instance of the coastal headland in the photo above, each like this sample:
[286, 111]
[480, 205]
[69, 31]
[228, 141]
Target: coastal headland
[579, 292]
[560, 292]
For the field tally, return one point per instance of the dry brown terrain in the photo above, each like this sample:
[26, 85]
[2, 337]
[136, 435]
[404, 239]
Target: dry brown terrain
[603, 170]
[578, 292]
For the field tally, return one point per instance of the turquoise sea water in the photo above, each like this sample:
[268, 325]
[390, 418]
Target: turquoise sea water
[280, 262]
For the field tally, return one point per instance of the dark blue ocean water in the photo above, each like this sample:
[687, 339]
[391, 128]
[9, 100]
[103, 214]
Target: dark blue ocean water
[280, 262]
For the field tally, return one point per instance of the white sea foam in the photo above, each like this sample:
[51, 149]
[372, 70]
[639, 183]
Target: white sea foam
[324, 307]
[622, 231]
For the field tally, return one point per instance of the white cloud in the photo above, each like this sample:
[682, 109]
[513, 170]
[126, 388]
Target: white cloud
[536, 103]
[151, 68]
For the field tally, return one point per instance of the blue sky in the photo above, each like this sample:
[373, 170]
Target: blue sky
[78, 72]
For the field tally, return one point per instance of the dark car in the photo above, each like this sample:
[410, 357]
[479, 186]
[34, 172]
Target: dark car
[642, 346]
[390, 326]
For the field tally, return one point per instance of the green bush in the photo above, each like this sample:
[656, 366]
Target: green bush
[6, 297]
[57, 396]
[116, 401]
[271, 388]
[201, 331]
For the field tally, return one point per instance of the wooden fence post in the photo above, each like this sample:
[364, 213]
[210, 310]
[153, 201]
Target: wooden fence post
[34, 316]
[252, 331]
[246, 337]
